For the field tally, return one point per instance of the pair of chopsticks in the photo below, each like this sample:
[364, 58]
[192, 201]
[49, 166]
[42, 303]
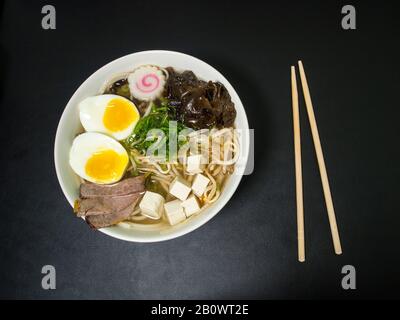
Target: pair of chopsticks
[321, 165]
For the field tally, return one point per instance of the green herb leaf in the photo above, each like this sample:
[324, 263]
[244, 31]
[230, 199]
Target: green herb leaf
[158, 118]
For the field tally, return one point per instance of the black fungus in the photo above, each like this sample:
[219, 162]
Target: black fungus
[120, 88]
[199, 104]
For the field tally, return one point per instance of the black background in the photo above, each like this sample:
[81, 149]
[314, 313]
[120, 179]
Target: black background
[249, 250]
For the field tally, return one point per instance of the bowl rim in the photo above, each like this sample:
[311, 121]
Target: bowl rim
[217, 207]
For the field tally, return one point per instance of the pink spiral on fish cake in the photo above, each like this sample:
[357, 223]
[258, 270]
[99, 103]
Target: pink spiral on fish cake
[149, 83]
[146, 82]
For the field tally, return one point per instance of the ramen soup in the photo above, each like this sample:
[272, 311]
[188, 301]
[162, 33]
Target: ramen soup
[158, 147]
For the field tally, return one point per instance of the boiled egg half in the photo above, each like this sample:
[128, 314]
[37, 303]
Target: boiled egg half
[98, 158]
[113, 115]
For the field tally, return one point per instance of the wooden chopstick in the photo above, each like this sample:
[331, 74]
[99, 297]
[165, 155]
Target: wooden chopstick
[321, 162]
[299, 178]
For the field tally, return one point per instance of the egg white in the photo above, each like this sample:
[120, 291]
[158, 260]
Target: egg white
[91, 113]
[83, 148]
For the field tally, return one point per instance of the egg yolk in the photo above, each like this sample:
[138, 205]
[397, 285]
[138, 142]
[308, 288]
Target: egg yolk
[119, 115]
[106, 166]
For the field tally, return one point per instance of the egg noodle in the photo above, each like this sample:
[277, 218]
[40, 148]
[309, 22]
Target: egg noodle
[220, 150]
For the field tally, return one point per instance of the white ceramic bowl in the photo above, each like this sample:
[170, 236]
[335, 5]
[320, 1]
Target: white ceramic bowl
[69, 126]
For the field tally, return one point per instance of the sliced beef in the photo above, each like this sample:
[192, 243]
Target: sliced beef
[106, 220]
[124, 187]
[106, 205]
[103, 204]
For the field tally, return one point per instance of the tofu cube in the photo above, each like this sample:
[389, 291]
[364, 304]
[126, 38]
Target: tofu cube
[152, 205]
[174, 212]
[195, 163]
[200, 184]
[191, 206]
[179, 188]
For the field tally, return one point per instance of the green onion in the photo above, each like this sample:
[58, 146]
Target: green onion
[158, 118]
